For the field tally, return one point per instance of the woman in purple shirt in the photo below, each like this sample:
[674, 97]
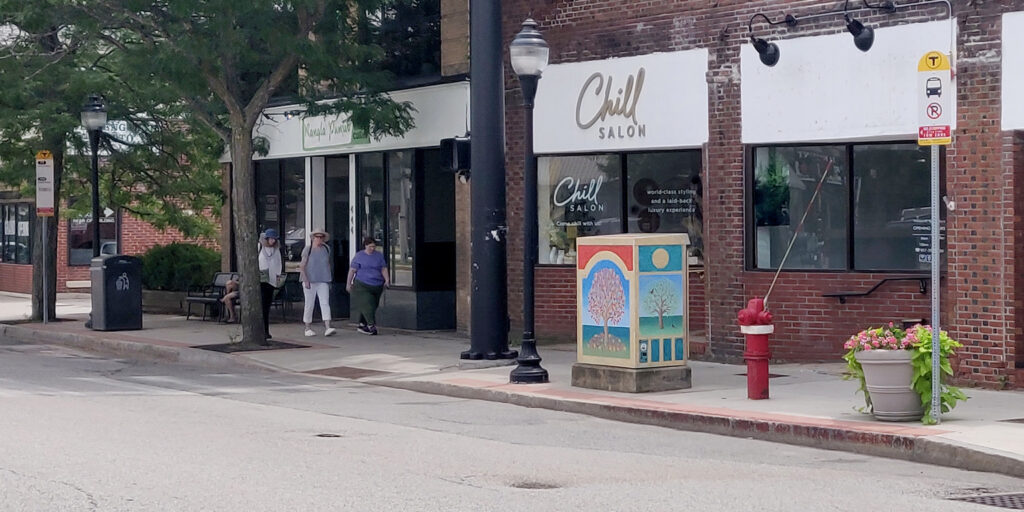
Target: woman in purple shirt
[367, 278]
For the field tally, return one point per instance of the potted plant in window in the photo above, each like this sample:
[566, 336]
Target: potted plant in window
[894, 368]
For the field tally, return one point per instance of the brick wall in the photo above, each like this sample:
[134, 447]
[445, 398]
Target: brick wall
[15, 278]
[983, 291]
[137, 236]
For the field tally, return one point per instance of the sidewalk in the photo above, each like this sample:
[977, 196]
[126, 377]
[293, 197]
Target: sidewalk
[810, 404]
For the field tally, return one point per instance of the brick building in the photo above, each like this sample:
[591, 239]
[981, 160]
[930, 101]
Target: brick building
[120, 233]
[646, 99]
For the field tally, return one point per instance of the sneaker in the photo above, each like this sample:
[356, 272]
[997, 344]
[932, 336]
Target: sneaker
[364, 330]
[373, 330]
[309, 332]
[362, 324]
[330, 331]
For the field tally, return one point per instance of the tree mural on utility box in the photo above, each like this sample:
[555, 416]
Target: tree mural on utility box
[660, 300]
[606, 302]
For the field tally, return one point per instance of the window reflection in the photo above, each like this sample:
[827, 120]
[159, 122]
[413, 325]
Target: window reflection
[577, 196]
[785, 179]
[892, 212]
[400, 217]
[80, 231]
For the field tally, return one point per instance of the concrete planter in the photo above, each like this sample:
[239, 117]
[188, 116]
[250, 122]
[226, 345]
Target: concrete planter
[158, 301]
[888, 375]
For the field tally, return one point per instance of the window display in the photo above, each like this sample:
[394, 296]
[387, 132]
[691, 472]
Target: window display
[583, 195]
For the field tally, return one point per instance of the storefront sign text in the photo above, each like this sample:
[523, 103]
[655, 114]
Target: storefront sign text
[619, 106]
[578, 197]
[330, 131]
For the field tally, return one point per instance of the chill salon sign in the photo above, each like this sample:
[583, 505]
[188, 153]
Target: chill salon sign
[656, 101]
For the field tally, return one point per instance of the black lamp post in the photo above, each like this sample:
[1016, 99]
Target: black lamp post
[529, 55]
[94, 117]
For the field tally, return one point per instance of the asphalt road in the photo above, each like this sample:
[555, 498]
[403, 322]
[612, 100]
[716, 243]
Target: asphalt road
[81, 432]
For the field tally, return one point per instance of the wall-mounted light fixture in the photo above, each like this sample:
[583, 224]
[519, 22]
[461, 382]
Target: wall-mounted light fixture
[767, 52]
[863, 36]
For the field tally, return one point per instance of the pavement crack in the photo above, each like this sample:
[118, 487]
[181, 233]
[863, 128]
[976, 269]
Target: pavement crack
[90, 499]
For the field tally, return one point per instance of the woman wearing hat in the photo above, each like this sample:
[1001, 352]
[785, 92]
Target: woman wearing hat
[271, 272]
[316, 276]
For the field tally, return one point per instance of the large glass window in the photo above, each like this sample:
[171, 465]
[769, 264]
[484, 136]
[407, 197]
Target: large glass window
[891, 207]
[80, 231]
[577, 196]
[871, 212]
[370, 183]
[583, 196]
[401, 216]
[293, 209]
[664, 195]
[16, 233]
[785, 180]
[281, 204]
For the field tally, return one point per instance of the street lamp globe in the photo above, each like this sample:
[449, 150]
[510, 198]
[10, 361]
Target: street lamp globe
[94, 113]
[529, 51]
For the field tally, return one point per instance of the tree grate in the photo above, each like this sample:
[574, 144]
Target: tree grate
[1013, 501]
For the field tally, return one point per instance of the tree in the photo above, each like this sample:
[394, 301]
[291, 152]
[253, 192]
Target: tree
[606, 300]
[225, 59]
[661, 299]
[48, 65]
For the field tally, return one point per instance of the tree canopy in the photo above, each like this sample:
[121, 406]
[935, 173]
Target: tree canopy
[224, 60]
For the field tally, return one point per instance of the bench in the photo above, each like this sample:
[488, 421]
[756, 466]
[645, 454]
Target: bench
[209, 295]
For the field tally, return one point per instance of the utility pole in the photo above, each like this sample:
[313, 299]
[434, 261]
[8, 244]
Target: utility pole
[489, 289]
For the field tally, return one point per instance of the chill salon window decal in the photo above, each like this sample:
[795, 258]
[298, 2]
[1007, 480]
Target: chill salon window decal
[614, 110]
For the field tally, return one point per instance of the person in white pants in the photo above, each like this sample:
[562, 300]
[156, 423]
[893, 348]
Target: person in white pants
[316, 276]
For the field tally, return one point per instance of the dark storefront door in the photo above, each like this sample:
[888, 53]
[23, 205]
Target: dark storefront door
[337, 213]
[407, 203]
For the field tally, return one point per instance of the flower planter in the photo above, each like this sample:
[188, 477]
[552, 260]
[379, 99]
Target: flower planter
[888, 376]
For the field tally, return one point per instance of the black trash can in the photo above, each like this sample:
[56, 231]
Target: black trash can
[116, 293]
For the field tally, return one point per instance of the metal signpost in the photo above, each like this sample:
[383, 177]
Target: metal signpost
[935, 93]
[44, 210]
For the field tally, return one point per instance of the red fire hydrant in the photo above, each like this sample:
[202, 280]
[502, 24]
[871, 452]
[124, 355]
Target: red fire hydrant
[756, 325]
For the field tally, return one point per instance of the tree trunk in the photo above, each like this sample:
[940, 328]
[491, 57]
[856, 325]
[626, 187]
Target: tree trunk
[49, 258]
[243, 206]
[661, 320]
[606, 330]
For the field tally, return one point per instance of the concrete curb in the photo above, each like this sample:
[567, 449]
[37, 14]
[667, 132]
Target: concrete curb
[131, 349]
[896, 446]
[927, 450]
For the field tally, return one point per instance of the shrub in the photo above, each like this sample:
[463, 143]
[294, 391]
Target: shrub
[178, 266]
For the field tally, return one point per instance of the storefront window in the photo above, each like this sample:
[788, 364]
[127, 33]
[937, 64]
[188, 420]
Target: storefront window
[785, 179]
[293, 209]
[577, 196]
[370, 182]
[281, 204]
[583, 196]
[400, 217]
[16, 233]
[664, 195]
[889, 204]
[80, 237]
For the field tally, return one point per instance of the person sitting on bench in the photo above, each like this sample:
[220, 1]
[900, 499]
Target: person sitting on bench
[230, 294]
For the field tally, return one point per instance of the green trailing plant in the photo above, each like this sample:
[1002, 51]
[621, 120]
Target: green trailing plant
[918, 340]
[178, 267]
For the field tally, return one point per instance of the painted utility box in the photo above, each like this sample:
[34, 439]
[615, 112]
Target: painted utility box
[632, 300]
